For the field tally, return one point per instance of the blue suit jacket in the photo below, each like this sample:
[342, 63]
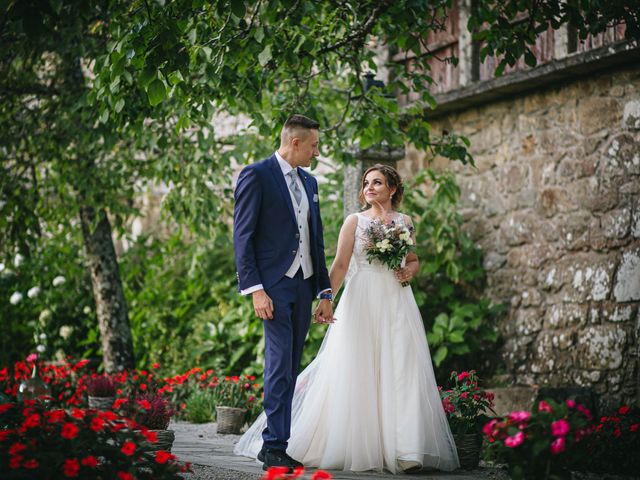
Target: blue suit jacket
[265, 232]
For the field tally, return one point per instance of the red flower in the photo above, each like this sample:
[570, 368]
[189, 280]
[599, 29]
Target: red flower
[143, 386]
[31, 464]
[125, 476]
[90, 461]
[32, 421]
[69, 431]
[560, 428]
[544, 407]
[78, 413]
[14, 462]
[557, 446]
[4, 434]
[82, 363]
[16, 448]
[634, 427]
[118, 403]
[321, 474]
[156, 365]
[297, 472]
[5, 407]
[128, 448]
[56, 416]
[152, 437]
[163, 456]
[462, 376]
[145, 404]
[97, 424]
[71, 467]
[275, 473]
[623, 410]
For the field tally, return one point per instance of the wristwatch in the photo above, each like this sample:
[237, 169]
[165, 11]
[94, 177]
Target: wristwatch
[326, 296]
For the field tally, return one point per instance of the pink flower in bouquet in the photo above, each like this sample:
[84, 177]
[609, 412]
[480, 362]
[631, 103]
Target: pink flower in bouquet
[560, 428]
[514, 440]
[557, 446]
[520, 416]
[544, 407]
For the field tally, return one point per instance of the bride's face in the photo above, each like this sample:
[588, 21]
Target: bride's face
[375, 188]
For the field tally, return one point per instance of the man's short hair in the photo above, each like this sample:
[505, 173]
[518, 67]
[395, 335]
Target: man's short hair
[297, 126]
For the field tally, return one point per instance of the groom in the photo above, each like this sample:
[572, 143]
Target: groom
[279, 254]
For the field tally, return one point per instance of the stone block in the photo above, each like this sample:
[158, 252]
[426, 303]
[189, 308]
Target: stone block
[602, 312]
[493, 261]
[517, 228]
[627, 283]
[635, 223]
[590, 194]
[631, 115]
[574, 230]
[598, 113]
[541, 172]
[564, 315]
[530, 297]
[622, 156]
[616, 223]
[543, 354]
[551, 278]
[552, 200]
[511, 399]
[531, 256]
[587, 278]
[600, 347]
[528, 321]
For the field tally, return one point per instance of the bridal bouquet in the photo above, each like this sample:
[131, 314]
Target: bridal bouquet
[389, 243]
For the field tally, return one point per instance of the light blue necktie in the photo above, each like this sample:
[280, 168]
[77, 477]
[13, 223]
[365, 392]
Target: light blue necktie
[293, 186]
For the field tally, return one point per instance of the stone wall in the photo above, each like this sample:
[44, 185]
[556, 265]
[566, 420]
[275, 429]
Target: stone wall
[555, 205]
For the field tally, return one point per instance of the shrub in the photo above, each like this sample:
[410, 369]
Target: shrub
[200, 407]
[78, 443]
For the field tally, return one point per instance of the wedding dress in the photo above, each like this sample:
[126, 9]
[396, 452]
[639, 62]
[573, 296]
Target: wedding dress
[369, 398]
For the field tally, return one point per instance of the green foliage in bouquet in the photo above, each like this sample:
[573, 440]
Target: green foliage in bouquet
[460, 322]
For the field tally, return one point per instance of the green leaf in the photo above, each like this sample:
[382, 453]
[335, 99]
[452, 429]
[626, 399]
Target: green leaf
[238, 8]
[456, 337]
[265, 55]
[147, 75]
[156, 92]
[119, 105]
[440, 355]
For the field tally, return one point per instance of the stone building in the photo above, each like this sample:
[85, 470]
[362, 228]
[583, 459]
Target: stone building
[554, 201]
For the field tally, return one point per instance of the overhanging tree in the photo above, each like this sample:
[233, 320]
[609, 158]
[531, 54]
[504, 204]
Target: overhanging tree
[101, 98]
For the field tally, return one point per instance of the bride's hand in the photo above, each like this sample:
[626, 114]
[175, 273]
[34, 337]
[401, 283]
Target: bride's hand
[404, 275]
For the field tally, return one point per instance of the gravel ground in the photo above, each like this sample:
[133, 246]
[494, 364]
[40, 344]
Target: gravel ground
[201, 472]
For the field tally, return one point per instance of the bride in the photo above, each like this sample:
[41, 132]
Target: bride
[369, 400]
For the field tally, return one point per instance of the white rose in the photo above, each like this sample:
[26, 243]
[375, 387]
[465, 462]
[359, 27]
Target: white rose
[410, 241]
[40, 348]
[44, 315]
[66, 331]
[59, 280]
[18, 260]
[43, 336]
[33, 292]
[15, 298]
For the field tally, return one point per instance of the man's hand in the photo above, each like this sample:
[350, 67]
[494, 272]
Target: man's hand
[324, 312]
[262, 305]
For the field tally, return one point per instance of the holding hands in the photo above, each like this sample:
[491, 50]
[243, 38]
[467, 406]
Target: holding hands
[324, 312]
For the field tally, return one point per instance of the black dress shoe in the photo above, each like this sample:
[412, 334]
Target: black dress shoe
[261, 455]
[279, 458]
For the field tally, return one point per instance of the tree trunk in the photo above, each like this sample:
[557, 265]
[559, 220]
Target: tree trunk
[111, 308]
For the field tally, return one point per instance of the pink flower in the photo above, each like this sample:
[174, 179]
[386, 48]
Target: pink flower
[488, 428]
[32, 357]
[520, 416]
[571, 404]
[462, 376]
[544, 407]
[560, 428]
[514, 440]
[557, 446]
[585, 411]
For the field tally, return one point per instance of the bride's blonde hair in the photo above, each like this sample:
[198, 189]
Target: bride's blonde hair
[393, 181]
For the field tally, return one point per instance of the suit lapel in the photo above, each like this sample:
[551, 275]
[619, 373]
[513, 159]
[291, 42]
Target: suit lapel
[282, 183]
[308, 188]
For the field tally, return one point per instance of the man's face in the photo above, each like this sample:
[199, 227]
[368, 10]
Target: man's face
[308, 148]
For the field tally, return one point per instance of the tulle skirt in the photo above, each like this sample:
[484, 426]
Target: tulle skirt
[370, 397]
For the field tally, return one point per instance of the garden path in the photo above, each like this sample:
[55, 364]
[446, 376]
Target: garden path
[213, 458]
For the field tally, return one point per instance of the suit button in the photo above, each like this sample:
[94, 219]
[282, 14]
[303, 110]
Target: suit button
[293, 252]
[297, 235]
